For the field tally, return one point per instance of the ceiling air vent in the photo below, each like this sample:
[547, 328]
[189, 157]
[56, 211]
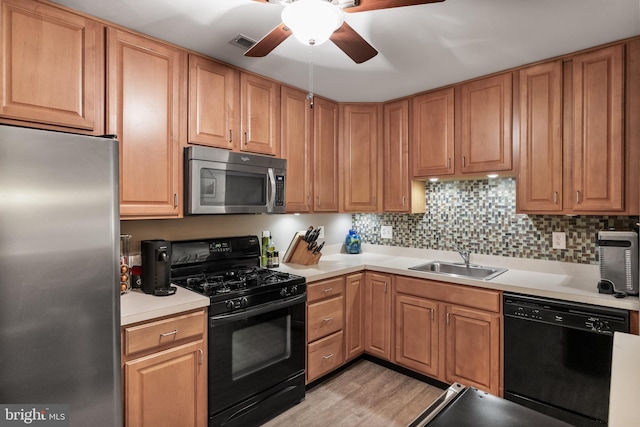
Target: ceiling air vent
[242, 41]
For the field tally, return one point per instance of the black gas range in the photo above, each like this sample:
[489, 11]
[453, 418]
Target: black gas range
[228, 271]
[256, 337]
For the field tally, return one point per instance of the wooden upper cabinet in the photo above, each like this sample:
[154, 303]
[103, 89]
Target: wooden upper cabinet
[325, 156]
[361, 175]
[260, 115]
[144, 110]
[52, 67]
[296, 148]
[432, 138]
[598, 144]
[540, 184]
[485, 124]
[213, 104]
[399, 192]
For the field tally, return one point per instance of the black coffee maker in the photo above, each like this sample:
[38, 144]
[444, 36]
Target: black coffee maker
[156, 268]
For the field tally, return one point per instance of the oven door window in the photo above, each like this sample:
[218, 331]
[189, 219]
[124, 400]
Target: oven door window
[259, 346]
[232, 188]
[253, 353]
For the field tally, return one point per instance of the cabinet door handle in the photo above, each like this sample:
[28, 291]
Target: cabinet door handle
[385, 287]
[432, 316]
[175, 200]
[463, 161]
[448, 162]
[577, 196]
[403, 199]
[327, 319]
[448, 315]
[166, 334]
[200, 356]
[555, 197]
[318, 201]
[230, 136]
[328, 356]
[246, 138]
[326, 291]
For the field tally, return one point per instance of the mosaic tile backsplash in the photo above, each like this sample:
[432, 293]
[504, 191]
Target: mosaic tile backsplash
[480, 216]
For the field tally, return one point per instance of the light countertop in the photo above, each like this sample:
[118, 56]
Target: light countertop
[551, 279]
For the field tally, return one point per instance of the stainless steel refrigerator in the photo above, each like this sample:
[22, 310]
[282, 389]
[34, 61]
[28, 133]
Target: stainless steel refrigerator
[59, 288]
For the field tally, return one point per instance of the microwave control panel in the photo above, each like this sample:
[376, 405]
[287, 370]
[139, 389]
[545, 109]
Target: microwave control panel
[279, 190]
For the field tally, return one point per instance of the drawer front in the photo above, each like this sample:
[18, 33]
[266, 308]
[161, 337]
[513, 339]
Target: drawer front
[324, 318]
[325, 289]
[324, 355]
[163, 333]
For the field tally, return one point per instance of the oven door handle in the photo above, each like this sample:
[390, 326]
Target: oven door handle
[257, 310]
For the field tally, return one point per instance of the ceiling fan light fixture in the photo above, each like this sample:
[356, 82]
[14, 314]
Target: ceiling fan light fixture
[312, 21]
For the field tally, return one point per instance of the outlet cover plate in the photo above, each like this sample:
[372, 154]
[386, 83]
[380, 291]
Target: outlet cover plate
[386, 232]
[559, 240]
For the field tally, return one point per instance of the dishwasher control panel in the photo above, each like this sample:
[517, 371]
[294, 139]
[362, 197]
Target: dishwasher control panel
[586, 317]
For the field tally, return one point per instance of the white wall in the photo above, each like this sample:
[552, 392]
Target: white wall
[282, 227]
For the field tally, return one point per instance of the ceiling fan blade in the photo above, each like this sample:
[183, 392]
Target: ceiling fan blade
[365, 5]
[351, 43]
[269, 42]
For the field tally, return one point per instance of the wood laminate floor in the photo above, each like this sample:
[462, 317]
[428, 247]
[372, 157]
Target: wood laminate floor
[364, 394]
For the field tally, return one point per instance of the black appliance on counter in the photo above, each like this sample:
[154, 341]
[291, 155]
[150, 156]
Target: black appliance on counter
[256, 328]
[156, 273]
[462, 406]
[557, 356]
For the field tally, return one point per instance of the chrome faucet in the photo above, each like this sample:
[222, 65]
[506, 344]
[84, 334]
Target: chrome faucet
[465, 256]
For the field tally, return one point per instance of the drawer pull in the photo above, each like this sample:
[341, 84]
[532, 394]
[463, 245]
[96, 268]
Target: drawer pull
[326, 291]
[174, 332]
[327, 319]
[328, 356]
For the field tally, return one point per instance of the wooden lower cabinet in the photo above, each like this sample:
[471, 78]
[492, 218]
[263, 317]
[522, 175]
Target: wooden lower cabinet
[165, 372]
[446, 331]
[472, 348]
[416, 334]
[449, 332]
[163, 389]
[377, 335]
[324, 356]
[354, 316]
[325, 325]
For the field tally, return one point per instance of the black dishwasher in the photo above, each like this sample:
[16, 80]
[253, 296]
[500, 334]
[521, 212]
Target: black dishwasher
[557, 356]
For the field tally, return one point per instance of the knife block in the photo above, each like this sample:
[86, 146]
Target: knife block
[299, 254]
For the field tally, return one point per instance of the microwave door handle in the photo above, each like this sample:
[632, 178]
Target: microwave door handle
[272, 196]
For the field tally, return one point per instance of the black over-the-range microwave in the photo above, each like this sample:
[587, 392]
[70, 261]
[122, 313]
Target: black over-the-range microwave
[219, 181]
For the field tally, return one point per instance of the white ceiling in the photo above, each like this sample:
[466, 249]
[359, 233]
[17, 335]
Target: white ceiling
[420, 47]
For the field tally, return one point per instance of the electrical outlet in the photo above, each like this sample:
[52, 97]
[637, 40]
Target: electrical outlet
[386, 232]
[559, 240]
[321, 235]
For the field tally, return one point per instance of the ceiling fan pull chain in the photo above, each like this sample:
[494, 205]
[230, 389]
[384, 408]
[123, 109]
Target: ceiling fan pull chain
[310, 94]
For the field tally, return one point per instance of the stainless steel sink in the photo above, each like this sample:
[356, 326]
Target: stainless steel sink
[460, 270]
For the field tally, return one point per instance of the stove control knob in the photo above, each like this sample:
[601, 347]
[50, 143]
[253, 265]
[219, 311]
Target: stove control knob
[243, 302]
[294, 289]
[284, 292]
[229, 304]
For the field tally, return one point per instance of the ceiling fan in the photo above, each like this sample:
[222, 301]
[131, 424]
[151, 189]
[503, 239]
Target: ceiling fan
[337, 30]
